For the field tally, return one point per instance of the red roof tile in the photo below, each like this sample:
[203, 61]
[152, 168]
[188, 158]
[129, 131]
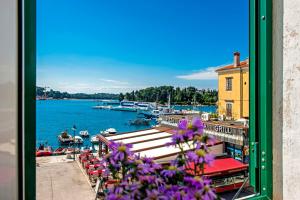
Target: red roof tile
[243, 64]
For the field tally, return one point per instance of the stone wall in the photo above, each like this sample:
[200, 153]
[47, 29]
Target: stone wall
[286, 99]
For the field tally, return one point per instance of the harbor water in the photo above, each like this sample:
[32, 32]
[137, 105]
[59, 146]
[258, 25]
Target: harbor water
[55, 116]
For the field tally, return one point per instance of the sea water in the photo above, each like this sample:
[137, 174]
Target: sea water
[55, 116]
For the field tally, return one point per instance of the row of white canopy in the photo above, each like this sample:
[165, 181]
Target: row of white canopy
[152, 143]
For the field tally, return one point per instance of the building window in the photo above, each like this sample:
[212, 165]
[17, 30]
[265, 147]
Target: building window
[229, 84]
[229, 109]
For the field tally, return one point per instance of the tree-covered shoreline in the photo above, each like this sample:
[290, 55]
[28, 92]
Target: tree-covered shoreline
[179, 96]
[40, 92]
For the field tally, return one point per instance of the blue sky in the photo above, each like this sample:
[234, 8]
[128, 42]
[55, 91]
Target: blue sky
[118, 46]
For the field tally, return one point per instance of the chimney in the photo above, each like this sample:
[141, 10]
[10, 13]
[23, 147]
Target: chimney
[236, 59]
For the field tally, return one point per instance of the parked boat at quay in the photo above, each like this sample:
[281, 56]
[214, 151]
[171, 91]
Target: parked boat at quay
[126, 106]
[109, 102]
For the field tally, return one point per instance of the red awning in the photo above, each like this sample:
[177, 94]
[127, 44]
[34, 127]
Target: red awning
[221, 166]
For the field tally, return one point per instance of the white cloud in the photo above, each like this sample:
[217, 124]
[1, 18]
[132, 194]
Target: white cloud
[114, 81]
[206, 74]
[91, 87]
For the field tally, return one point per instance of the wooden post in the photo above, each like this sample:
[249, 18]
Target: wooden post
[100, 149]
[106, 149]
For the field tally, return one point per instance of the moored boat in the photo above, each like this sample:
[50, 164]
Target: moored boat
[94, 139]
[84, 133]
[140, 122]
[110, 131]
[126, 106]
[70, 150]
[59, 151]
[78, 139]
[65, 138]
[102, 107]
[43, 151]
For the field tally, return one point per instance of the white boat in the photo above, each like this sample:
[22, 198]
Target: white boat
[110, 131]
[128, 106]
[94, 139]
[84, 133]
[78, 139]
[65, 138]
[102, 107]
[142, 106]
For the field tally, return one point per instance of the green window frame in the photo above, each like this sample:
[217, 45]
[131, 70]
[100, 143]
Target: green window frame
[260, 48]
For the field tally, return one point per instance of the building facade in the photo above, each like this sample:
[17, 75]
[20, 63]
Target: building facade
[233, 87]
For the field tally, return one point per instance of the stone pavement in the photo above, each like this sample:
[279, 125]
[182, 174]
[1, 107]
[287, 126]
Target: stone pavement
[61, 179]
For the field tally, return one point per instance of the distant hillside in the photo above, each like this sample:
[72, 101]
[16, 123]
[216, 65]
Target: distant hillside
[40, 91]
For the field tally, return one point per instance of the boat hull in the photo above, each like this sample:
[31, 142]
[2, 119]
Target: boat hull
[124, 109]
[43, 153]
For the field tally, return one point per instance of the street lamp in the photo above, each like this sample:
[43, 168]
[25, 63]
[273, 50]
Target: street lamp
[74, 129]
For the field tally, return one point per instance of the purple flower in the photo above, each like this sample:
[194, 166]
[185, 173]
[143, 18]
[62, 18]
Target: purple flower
[120, 151]
[197, 125]
[195, 182]
[142, 178]
[211, 140]
[208, 192]
[183, 124]
[147, 179]
[181, 136]
[112, 196]
[187, 131]
[147, 166]
[155, 195]
[147, 160]
[199, 156]
[171, 171]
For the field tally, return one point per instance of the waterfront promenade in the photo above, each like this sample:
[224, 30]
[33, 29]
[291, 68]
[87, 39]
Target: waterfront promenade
[60, 178]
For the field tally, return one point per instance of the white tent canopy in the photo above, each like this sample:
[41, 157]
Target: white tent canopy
[137, 133]
[145, 138]
[152, 143]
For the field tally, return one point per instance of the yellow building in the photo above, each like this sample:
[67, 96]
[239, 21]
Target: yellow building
[233, 86]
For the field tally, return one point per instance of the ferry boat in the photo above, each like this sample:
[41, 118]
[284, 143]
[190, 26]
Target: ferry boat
[128, 106]
[109, 102]
[142, 105]
[155, 113]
